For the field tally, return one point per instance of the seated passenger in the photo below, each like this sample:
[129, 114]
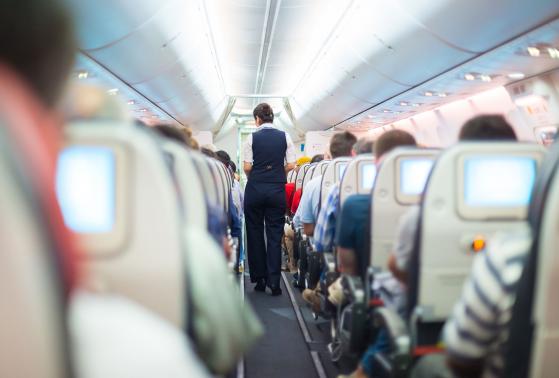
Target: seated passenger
[290, 186]
[326, 220]
[480, 128]
[488, 128]
[341, 144]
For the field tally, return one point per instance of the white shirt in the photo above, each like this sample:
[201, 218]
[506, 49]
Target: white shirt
[290, 156]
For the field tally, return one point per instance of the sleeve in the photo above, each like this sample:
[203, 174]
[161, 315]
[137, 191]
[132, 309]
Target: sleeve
[247, 150]
[405, 238]
[346, 226]
[305, 208]
[290, 156]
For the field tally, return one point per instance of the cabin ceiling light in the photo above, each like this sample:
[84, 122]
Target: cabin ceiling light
[404, 103]
[416, 105]
[533, 51]
[83, 75]
[553, 52]
[112, 91]
[516, 75]
[386, 111]
[428, 93]
[470, 76]
[143, 110]
[131, 102]
[442, 94]
[485, 78]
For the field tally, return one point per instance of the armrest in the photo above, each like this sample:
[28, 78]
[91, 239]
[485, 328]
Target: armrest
[353, 288]
[329, 261]
[396, 361]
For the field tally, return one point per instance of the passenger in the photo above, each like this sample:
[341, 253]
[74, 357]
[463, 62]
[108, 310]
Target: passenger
[481, 128]
[477, 331]
[326, 221]
[38, 45]
[341, 144]
[293, 203]
[351, 231]
[173, 133]
[317, 158]
[269, 154]
[209, 153]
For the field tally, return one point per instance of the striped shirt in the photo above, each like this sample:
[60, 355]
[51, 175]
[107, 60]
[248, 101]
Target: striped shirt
[478, 328]
[325, 228]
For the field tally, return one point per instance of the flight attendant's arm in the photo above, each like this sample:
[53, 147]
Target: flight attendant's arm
[290, 157]
[247, 155]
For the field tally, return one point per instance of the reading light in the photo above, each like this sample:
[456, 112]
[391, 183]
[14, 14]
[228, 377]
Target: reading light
[404, 103]
[533, 51]
[386, 111]
[553, 52]
[370, 116]
[131, 102]
[428, 94]
[143, 110]
[83, 75]
[485, 78]
[416, 105]
[113, 91]
[469, 77]
[442, 94]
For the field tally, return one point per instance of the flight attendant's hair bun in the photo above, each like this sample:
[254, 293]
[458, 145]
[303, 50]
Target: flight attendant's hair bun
[264, 112]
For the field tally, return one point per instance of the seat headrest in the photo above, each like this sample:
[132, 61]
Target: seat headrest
[358, 177]
[332, 175]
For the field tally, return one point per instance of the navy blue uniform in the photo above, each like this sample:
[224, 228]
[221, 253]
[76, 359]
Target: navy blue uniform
[265, 205]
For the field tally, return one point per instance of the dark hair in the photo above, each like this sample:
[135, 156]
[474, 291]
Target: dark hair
[341, 144]
[264, 112]
[233, 166]
[208, 152]
[172, 133]
[223, 157]
[392, 139]
[317, 158]
[487, 127]
[363, 146]
[37, 41]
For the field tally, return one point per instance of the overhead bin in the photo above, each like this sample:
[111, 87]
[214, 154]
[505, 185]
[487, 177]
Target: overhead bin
[479, 25]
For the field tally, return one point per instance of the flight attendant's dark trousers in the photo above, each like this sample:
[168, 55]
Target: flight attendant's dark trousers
[264, 204]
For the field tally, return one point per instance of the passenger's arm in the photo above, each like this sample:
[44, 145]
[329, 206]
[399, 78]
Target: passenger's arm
[401, 275]
[289, 167]
[308, 229]
[347, 261]
[247, 167]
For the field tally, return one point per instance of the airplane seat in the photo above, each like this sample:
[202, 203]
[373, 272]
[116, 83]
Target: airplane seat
[308, 175]
[301, 176]
[358, 178]
[189, 184]
[468, 198]
[399, 185]
[205, 173]
[320, 168]
[38, 270]
[117, 194]
[291, 175]
[332, 174]
[531, 350]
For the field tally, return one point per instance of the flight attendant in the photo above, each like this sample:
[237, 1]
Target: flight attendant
[268, 156]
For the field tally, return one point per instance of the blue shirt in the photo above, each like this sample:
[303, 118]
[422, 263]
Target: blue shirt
[307, 212]
[351, 229]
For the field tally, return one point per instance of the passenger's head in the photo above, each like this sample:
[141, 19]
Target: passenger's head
[490, 127]
[37, 41]
[303, 160]
[233, 166]
[363, 146]
[392, 139]
[317, 158]
[194, 144]
[263, 113]
[172, 133]
[208, 152]
[341, 144]
[223, 157]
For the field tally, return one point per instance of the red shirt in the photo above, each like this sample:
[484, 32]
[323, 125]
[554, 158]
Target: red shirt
[296, 200]
[289, 191]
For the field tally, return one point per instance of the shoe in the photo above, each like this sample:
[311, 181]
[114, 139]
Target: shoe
[312, 298]
[260, 285]
[276, 291]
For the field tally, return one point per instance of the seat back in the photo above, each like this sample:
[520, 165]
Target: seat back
[332, 174]
[218, 179]
[117, 194]
[190, 184]
[399, 184]
[534, 326]
[358, 177]
[308, 175]
[301, 176]
[474, 191]
[319, 170]
[206, 175]
[292, 175]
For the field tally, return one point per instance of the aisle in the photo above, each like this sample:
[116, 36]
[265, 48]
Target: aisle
[283, 351]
